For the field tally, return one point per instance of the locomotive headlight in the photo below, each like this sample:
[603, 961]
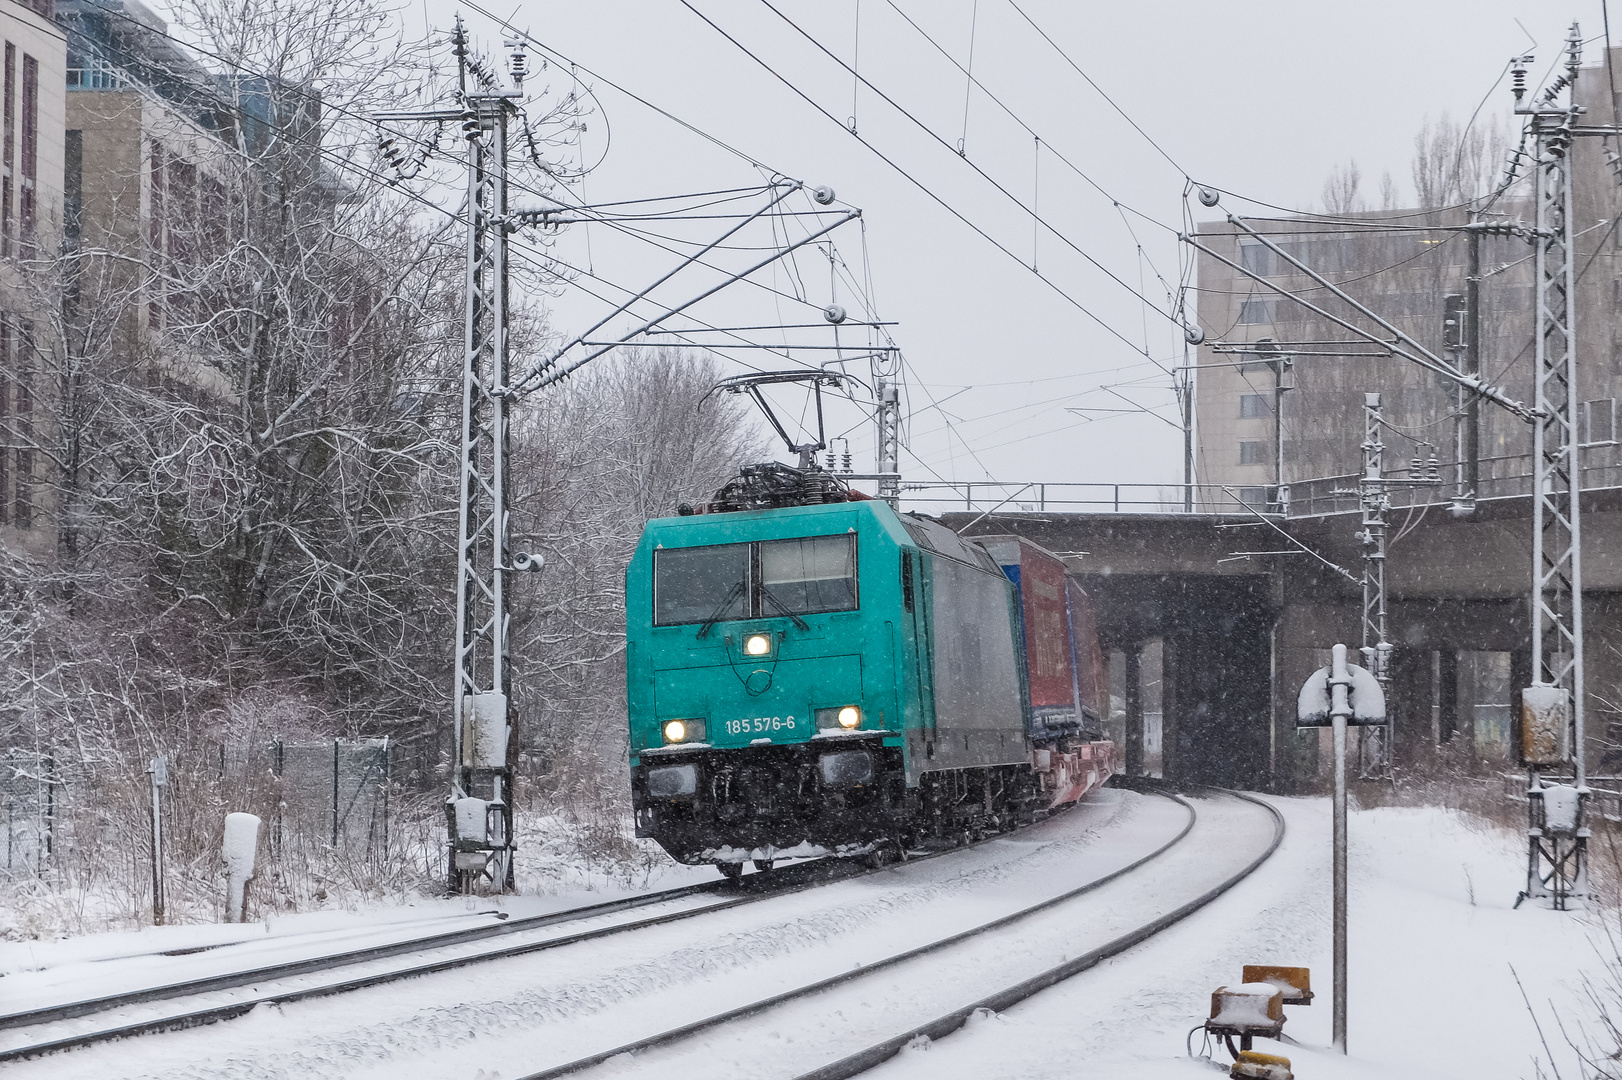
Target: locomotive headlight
[757, 645]
[689, 730]
[842, 717]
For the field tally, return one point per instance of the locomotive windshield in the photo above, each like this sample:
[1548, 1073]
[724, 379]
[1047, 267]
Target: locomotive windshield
[808, 574]
[701, 583]
[803, 576]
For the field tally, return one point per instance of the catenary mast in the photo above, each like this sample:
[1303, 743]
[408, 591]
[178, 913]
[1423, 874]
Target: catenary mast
[478, 809]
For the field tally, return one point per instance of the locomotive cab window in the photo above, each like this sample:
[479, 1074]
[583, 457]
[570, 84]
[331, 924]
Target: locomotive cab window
[808, 574]
[701, 583]
[721, 582]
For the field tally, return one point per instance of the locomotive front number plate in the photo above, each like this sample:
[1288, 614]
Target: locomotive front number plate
[761, 725]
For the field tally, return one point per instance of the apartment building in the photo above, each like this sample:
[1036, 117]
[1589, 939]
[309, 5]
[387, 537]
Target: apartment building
[32, 151]
[148, 179]
[1280, 389]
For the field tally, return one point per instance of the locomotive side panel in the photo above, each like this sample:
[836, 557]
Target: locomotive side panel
[979, 717]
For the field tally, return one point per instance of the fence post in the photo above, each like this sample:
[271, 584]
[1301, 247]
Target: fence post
[279, 766]
[335, 794]
[159, 771]
[388, 773]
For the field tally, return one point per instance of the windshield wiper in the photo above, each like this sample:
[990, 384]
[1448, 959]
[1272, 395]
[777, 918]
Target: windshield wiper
[720, 609]
[767, 593]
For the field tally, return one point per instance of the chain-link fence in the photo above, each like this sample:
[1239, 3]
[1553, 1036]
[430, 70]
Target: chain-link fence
[319, 800]
[28, 782]
[333, 793]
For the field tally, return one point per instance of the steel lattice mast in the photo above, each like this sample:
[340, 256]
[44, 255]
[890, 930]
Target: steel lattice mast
[481, 836]
[1553, 732]
[1375, 501]
[479, 807]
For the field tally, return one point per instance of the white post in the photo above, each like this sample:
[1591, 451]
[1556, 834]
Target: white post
[240, 849]
[1340, 709]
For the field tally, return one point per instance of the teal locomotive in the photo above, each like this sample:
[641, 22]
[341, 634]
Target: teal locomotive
[811, 673]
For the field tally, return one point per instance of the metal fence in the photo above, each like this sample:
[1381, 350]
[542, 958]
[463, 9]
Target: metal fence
[1604, 794]
[314, 797]
[28, 795]
[332, 793]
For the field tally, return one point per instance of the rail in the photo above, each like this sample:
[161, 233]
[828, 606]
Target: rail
[876, 1055]
[780, 882]
[755, 887]
[872, 1056]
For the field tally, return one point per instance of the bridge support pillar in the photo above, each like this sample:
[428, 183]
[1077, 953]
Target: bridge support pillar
[1134, 708]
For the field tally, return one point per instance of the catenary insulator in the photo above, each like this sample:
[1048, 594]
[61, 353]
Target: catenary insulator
[517, 62]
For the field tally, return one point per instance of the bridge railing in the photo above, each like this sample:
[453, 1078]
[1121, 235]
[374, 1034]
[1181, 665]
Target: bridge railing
[987, 496]
[1505, 476]
[1500, 477]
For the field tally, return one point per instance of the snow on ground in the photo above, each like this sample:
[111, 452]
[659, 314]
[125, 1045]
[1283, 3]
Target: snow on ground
[1432, 994]
[554, 875]
[434, 1026]
[1432, 937]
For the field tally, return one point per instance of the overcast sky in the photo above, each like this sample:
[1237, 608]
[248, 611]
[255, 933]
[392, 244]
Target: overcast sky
[1257, 97]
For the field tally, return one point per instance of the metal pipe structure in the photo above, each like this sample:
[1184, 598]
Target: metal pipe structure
[159, 771]
[1340, 709]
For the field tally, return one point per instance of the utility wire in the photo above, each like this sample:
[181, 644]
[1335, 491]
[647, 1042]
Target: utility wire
[1077, 68]
[926, 129]
[540, 260]
[920, 185]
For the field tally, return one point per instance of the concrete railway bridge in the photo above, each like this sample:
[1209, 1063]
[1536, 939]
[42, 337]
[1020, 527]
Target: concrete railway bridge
[1209, 645]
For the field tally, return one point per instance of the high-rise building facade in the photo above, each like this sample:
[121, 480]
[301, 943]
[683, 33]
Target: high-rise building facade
[32, 80]
[1280, 388]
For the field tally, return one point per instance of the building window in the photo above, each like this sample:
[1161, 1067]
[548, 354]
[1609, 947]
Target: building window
[1256, 258]
[73, 185]
[7, 365]
[1252, 453]
[22, 343]
[154, 225]
[1253, 407]
[30, 155]
[8, 156]
[1256, 497]
[1256, 311]
[1597, 422]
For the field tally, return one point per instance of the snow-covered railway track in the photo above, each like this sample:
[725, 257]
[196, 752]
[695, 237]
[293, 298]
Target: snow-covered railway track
[235, 993]
[751, 1040]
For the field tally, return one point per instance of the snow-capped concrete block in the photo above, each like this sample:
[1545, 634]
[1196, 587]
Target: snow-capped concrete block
[472, 818]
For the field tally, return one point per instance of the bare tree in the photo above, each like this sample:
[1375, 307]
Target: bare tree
[1454, 165]
[1340, 193]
